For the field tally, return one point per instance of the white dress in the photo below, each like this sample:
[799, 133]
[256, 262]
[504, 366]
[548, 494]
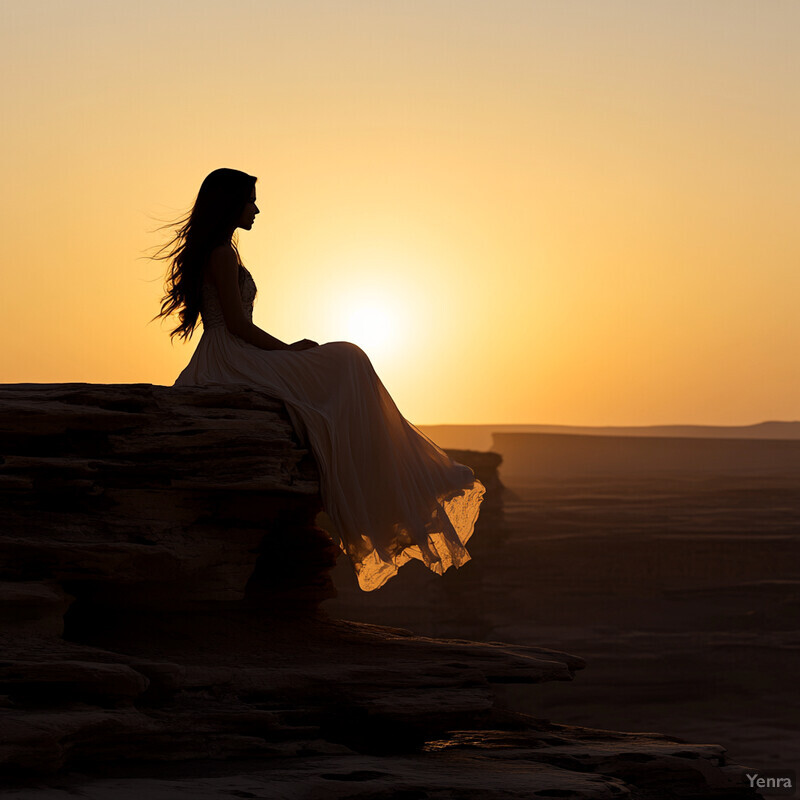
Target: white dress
[392, 494]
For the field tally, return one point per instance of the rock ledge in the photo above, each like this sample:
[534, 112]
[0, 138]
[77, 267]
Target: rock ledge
[161, 576]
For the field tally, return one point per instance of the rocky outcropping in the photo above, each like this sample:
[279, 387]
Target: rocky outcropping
[161, 576]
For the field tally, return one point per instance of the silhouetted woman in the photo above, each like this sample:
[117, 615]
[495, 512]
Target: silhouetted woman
[392, 494]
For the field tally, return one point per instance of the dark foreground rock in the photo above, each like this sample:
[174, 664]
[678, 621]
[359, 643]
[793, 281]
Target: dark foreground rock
[161, 577]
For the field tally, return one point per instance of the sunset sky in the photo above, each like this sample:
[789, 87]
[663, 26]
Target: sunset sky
[553, 212]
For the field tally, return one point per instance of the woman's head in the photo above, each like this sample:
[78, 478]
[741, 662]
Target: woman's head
[226, 201]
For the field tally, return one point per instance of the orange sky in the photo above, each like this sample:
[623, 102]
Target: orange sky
[547, 212]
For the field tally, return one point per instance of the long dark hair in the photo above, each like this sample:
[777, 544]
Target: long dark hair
[218, 207]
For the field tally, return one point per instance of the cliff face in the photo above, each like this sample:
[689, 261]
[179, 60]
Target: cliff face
[160, 585]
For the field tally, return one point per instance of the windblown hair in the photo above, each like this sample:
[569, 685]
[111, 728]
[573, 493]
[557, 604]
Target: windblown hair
[218, 207]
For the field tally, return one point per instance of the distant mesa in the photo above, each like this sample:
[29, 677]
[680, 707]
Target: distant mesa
[537, 456]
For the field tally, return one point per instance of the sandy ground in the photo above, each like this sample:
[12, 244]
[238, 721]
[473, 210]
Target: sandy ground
[682, 593]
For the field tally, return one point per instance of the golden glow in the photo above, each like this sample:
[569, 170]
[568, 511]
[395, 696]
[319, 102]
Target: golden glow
[567, 213]
[371, 325]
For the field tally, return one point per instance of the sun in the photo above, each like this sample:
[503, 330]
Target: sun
[371, 323]
[370, 296]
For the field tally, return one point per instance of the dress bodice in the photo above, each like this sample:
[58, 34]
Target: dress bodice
[210, 308]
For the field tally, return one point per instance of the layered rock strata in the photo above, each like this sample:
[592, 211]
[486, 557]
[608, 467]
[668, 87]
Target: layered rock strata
[161, 576]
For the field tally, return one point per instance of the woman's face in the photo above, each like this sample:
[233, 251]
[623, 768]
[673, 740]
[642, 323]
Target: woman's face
[249, 212]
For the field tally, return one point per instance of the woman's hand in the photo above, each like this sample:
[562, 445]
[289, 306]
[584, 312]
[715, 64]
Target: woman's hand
[303, 344]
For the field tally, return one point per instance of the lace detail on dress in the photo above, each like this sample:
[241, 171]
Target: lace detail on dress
[210, 308]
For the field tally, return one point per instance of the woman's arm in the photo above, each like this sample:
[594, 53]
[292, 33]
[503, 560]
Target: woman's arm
[225, 274]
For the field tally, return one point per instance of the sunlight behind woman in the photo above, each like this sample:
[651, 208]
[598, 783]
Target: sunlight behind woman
[370, 297]
[372, 324]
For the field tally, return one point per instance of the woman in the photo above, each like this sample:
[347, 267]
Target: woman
[392, 494]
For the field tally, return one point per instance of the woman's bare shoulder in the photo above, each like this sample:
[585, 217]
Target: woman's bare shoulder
[222, 262]
[222, 255]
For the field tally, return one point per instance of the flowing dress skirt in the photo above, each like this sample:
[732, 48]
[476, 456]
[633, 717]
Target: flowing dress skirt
[392, 493]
